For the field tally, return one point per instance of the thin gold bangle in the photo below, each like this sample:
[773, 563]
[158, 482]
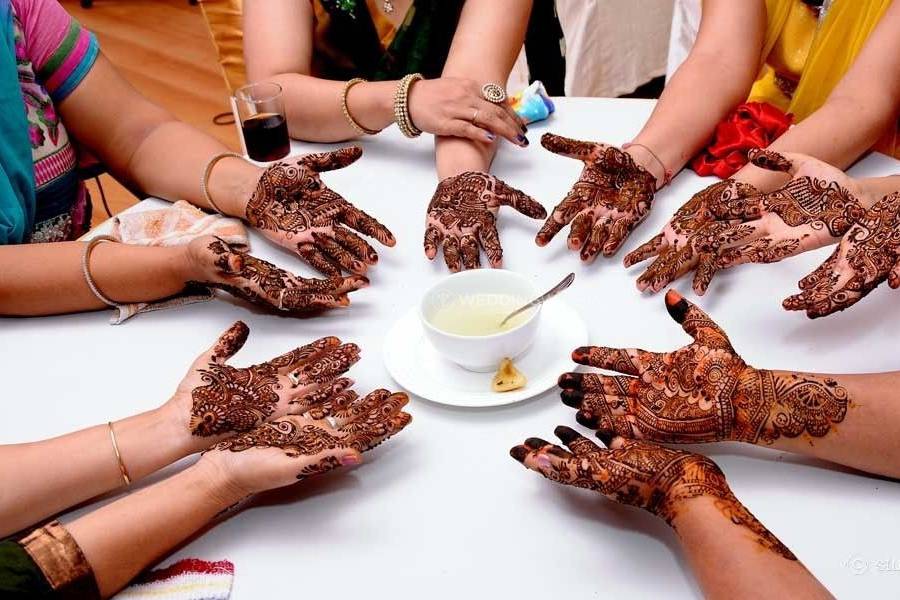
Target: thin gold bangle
[115, 445]
[86, 270]
[401, 106]
[359, 129]
[204, 181]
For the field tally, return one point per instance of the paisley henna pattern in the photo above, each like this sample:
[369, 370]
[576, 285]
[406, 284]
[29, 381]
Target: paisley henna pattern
[298, 437]
[693, 231]
[611, 197]
[703, 392]
[329, 463]
[230, 342]
[868, 254]
[262, 283]
[233, 399]
[658, 479]
[292, 207]
[462, 217]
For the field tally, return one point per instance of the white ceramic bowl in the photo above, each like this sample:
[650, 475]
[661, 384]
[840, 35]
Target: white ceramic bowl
[480, 353]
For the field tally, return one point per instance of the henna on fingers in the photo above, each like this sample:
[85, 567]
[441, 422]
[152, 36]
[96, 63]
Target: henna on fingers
[692, 232]
[226, 399]
[294, 208]
[612, 196]
[657, 479]
[262, 283]
[462, 217]
[703, 392]
[868, 254]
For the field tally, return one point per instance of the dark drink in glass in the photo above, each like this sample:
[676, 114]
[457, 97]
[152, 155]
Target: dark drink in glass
[260, 108]
[266, 137]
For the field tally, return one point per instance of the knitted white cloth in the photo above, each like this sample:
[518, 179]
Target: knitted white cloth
[187, 579]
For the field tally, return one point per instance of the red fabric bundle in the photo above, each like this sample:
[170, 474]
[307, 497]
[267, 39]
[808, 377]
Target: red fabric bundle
[750, 125]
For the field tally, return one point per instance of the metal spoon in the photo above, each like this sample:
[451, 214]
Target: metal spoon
[565, 283]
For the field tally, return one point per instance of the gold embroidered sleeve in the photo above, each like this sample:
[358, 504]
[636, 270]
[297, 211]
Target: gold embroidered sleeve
[57, 555]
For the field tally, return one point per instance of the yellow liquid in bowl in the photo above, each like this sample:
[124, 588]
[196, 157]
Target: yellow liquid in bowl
[479, 314]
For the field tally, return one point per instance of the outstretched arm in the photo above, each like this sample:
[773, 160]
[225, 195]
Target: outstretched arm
[705, 392]
[732, 554]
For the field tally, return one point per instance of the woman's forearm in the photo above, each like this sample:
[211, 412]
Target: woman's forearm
[45, 279]
[734, 556]
[861, 413]
[52, 475]
[123, 538]
[458, 155]
[313, 106]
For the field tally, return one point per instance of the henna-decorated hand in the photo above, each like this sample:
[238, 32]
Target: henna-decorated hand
[278, 453]
[703, 392]
[611, 198]
[462, 217]
[678, 247]
[255, 280]
[217, 399]
[660, 480]
[292, 207]
[867, 255]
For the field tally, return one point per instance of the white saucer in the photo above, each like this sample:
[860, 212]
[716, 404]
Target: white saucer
[416, 366]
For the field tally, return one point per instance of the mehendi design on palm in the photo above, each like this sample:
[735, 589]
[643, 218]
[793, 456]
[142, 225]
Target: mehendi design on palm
[462, 218]
[868, 254]
[703, 392]
[694, 228]
[376, 418]
[294, 208]
[642, 474]
[612, 196]
[262, 283]
[226, 399]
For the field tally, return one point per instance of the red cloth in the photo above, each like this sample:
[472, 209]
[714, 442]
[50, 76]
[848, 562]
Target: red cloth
[750, 125]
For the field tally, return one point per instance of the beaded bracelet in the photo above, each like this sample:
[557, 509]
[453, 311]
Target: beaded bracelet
[401, 106]
[359, 129]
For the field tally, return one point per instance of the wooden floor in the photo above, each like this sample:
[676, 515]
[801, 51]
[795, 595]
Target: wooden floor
[163, 48]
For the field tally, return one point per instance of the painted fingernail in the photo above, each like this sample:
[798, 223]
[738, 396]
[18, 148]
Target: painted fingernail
[572, 398]
[570, 381]
[490, 136]
[605, 437]
[519, 453]
[522, 139]
[536, 443]
[676, 305]
[351, 460]
[565, 434]
[587, 419]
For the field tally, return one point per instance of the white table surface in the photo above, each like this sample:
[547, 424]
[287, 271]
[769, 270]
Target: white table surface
[442, 511]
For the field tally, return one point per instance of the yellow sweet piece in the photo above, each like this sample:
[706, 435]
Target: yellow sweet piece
[508, 378]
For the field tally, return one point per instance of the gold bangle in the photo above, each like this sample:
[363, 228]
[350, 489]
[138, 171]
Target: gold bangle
[401, 106]
[204, 182]
[86, 270]
[359, 129]
[115, 445]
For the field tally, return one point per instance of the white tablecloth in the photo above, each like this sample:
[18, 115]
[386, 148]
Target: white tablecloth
[442, 511]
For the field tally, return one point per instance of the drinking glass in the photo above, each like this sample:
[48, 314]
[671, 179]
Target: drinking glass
[260, 108]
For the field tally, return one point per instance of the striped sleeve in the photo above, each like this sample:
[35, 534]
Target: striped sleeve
[60, 49]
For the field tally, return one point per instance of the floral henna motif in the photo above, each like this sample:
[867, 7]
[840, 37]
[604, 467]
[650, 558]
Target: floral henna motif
[294, 208]
[262, 283]
[233, 399]
[868, 255]
[612, 196]
[693, 231]
[658, 479]
[462, 217]
[702, 392]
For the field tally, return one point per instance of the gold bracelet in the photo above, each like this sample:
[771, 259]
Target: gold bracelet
[86, 270]
[359, 129]
[204, 182]
[401, 106]
[115, 445]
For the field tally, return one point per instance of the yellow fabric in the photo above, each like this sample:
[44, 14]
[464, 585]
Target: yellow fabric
[223, 19]
[797, 49]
